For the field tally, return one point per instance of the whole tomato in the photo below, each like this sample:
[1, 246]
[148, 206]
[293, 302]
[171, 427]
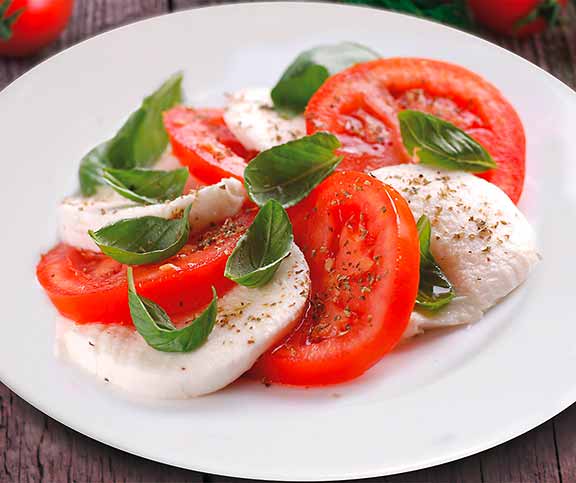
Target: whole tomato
[517, 18]
[28, 25]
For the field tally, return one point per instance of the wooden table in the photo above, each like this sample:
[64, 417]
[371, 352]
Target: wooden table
[33, 447]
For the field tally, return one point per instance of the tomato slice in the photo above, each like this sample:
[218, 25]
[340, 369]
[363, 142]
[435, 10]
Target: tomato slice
[88, 286]
[361, 243]
[201, 141]
[355, 106]
[360, 105]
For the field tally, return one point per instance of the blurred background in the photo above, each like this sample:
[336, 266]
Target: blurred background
[33, 29]
[543, 31]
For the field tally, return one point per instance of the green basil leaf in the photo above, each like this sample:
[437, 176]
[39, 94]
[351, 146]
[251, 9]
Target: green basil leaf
[287, 173]
[441, 144]
[91, 169]
[138, 143]
[147, 186]
[453, 12]
[8, 21]
[155, 326]
[147, 239]
[434, 290]
[310, 69]
[262, 248]
[291, 96]
[547, 10]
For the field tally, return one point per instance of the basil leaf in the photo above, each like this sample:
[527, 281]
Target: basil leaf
[453, 12]
[147, 239]
[91, 168]
[154, 325]
[291, 96]
[435, 290]
[547, 10]
[287, 173]
[262, 248]
[439, 143]
[310, 69]
[147, 186]
[138, 143]
[8, 21]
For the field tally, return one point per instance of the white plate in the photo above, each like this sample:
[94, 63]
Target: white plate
[443, 397]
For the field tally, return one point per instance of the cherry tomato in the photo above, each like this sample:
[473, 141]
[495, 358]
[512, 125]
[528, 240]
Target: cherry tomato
[361, 243]
[360, 106]
[518, 18]
[88, 286]
[39, 24]
[201, 141]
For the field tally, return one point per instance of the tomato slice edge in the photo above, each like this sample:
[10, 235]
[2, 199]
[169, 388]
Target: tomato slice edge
[342, 356]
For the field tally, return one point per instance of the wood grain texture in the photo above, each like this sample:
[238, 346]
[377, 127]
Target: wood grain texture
[35, 448]
[565, 428]
[89, 18]
[530, 459]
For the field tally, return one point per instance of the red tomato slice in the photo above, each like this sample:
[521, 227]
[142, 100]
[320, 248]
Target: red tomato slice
[360, 105]
[354, 106]
[361, 243]
[201, 141]
[88, 286]
[192, 183]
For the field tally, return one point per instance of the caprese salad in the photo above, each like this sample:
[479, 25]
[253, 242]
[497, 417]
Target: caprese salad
[298, 234]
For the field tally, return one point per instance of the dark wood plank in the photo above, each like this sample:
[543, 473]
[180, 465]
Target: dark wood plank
[467, 470]
[528, 459]
[565, 432]
[463, 471]
[90, 17]
[36, 448]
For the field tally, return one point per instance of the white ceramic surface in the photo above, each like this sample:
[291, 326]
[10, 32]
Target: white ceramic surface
[442, 397]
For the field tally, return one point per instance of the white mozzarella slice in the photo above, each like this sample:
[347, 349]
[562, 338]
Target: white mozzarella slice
[210, 204]
[250, 321]
[480, 239]
[252, 119]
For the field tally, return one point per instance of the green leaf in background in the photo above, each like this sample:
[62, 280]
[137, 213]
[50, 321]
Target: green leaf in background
[452, 12]
[549, 10]
[149, 239]
[441, 144]
[435, 290]
[7, 21]
[307, 73]
[288, 172]
[147, 186]
[262, 248]
[155, 326]
[138, 143]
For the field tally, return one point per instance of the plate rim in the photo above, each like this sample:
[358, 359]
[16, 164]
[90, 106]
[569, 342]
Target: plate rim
[519, 429]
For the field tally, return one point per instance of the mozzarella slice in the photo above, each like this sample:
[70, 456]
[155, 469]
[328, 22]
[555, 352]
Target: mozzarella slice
[252, 119]
[480, 239]
[250, 321]
[210, 204]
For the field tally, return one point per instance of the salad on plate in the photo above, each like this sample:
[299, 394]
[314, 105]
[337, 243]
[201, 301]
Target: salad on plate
[297, 235]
